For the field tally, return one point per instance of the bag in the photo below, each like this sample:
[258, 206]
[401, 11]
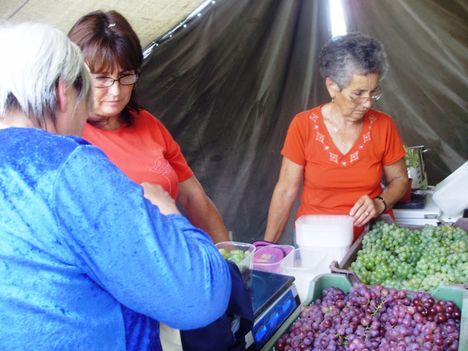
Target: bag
[228, 332]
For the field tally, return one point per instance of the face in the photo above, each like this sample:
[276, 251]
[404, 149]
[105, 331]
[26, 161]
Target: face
[111, 95]
[357, 98]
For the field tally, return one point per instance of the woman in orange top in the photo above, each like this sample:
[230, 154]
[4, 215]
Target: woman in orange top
[133, 139]
[340, 150]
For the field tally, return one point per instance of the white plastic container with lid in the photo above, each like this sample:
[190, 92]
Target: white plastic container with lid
[323, 239]
[324, 231]
[451, 194]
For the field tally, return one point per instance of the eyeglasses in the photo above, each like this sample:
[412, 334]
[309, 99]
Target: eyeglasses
[106, 82]
[373, 97]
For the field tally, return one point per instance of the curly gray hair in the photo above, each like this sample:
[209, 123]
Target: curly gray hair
[350, 54]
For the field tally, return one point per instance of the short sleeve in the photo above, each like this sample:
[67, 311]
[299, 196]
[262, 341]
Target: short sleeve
[157, 265]
[394, 149]
[174, 154]
[295, 142]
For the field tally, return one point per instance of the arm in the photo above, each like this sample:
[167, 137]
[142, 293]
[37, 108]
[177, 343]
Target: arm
[284, 194]
[160, 266]
[160, 198]
[200, 209]
[396, 177]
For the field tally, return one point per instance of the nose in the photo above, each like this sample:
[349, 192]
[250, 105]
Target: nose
[368, 102]
[114, 89]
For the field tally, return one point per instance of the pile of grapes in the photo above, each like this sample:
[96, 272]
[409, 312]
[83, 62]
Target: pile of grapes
[235, 255]
[409, 259]
[374, 318]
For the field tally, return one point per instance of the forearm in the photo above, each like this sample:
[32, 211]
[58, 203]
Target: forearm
[278, 214]
[203, 214]
[392, 193]
[396, 177]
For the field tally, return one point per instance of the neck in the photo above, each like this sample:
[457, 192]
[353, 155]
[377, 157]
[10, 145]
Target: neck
[105, 122]
[16, 119]
[335, 119]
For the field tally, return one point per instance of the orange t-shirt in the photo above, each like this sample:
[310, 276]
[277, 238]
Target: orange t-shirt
[145, 151]
[334, 181]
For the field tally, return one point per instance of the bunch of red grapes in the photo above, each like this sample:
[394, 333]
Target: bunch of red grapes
[374, 318]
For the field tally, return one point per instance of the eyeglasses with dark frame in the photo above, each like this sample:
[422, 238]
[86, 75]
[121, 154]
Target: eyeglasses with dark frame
[373, 97]
[106, 82]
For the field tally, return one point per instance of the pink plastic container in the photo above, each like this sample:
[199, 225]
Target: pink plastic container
[268, 258]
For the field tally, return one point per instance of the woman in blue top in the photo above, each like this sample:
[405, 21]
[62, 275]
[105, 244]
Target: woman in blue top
[85, 258]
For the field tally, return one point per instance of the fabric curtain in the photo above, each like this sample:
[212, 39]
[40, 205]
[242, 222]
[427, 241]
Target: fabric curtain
[229, 82]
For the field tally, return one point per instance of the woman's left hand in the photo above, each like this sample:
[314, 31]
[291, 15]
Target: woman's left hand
[364, 210]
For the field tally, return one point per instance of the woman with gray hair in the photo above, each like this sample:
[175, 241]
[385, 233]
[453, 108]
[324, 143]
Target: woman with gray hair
[340, 150]
[86, 261]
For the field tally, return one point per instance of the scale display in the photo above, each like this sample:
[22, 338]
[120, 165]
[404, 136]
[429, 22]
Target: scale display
[274, 298]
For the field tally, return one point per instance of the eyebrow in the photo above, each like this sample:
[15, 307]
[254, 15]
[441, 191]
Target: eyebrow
[108, 74]
[361, 90]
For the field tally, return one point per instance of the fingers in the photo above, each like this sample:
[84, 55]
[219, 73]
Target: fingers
[363, 211]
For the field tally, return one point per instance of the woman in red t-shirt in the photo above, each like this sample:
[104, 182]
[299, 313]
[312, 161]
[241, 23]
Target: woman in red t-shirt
[133, 139]
[341, 150]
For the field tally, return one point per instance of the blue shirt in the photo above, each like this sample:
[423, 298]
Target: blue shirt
[85, 259]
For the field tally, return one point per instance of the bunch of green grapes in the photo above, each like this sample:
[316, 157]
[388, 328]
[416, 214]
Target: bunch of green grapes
[237, 256]
[403, 258]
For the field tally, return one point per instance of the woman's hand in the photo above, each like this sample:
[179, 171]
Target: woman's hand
[365, 209]
[160, 198]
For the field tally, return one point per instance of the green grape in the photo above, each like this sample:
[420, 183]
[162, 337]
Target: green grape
[413, 259]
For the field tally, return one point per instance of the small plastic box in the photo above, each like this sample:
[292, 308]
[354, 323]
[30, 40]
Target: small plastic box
[268, 258]
[305, 264]
[246, 265]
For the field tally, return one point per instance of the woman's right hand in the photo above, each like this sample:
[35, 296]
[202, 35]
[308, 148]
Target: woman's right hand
[160, 198]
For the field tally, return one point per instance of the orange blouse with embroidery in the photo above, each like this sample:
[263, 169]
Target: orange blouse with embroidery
[334, 181]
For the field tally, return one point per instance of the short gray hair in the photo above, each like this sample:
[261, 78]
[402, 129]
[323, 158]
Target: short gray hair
[34, 57]
[350, 54]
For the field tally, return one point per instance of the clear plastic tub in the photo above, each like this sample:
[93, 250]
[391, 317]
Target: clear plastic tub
[241, 254]
[268, 258]
[305, 264]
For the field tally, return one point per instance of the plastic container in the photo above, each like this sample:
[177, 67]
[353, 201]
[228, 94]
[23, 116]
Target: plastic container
[268, 258]
[304, 264]
[233, 250]
[321, 282]
[451, 194]
[324, 231]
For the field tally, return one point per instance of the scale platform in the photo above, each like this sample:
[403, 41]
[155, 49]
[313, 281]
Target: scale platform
[274, 298]
[421, 210]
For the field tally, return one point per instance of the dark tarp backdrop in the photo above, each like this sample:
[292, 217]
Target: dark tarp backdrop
[229, 82]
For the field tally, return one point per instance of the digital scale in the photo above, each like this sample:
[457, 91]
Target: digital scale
[274, 298]
[419, 211]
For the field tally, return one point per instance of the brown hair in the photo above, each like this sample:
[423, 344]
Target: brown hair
[108, 43]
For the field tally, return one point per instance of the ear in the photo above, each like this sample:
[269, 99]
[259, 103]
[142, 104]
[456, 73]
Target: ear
[332, 87]
[62, 99]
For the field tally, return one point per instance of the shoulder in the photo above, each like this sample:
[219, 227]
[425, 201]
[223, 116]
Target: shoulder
[51, 144]
[308, 115]
[144, 117]
[380, 117]
[304, 122]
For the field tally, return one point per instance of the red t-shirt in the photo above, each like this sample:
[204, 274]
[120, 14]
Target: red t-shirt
[145, 151]
[334, 181]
